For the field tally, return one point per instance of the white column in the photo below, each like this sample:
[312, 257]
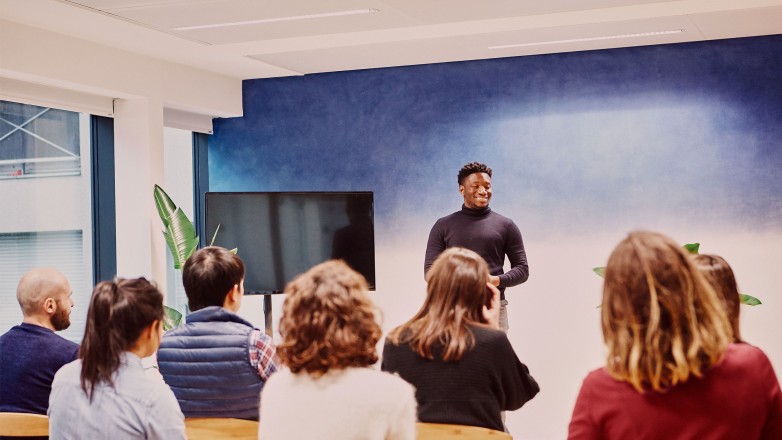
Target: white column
[138, 144]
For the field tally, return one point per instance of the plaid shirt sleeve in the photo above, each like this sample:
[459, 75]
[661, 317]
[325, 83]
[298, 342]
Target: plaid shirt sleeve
[263, 355]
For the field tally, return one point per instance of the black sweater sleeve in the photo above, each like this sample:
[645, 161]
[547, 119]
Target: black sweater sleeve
[514, 249]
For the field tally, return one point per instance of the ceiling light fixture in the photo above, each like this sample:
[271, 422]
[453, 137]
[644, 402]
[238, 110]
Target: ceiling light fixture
[276, 19]
[579, 40]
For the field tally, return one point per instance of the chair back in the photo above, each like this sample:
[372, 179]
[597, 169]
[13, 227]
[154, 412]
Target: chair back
[441, 431]
[23, 424]
[202, 428]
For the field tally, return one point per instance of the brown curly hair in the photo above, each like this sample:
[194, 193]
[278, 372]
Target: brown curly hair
[328, 322]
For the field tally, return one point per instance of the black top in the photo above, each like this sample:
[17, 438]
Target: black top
[490, 235]
[488, 379]
[29, 357]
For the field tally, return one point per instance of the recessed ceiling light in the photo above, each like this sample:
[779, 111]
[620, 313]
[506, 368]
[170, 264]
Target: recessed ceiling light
[276, 19]
[579, 40]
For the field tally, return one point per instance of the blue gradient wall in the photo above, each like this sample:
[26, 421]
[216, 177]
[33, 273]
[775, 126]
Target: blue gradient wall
[585, 146]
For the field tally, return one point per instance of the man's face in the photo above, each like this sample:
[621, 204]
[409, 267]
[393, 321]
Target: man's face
[476, 190]
[62, 316]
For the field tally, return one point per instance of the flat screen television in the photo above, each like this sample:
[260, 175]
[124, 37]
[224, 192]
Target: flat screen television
[280, 235]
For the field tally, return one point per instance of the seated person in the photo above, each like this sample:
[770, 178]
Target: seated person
[217, 362]
[107, 394]
[672, 371]
[329, 391]
[30, 353]
[718, 273]
[452, 351]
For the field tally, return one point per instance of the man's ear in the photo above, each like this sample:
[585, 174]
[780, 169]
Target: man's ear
[50, 306]
[461, 189]
[234, 298]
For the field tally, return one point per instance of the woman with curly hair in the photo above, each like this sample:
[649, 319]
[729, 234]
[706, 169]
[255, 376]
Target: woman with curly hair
[672, 371]
[329, 335]
[463, 367]
[106, 394]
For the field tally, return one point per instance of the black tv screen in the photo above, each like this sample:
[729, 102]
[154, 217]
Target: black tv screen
[282, 234]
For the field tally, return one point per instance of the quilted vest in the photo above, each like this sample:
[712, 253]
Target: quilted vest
[207, 366]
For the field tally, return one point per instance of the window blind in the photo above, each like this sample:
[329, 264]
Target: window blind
[62, 250]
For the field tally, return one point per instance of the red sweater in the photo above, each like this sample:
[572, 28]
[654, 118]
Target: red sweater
[738, 399]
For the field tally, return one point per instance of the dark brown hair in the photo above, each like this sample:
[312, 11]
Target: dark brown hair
[662, 321]
[455, 295]
[718, 272]
[472, 168]
[328, 322]
[119, 311]
[209, 274]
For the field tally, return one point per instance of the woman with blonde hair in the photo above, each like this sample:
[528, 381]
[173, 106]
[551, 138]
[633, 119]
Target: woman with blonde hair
[672, 371]
[463, 367]
[719, 274]
[329, 335]
[106, 394]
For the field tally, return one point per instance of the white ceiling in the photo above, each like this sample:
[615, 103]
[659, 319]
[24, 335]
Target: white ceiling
[399, 32]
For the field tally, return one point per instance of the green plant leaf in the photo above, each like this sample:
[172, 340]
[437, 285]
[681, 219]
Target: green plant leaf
[214, 237]
[181, 238]
[601, 271]
[171, 318]
[692, 247]
[165, 206]
[749, 300]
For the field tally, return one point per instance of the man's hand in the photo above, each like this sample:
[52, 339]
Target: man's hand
[494, 279]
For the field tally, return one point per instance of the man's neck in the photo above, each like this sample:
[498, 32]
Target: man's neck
[39, 321]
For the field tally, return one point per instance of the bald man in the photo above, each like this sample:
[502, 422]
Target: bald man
[32, 352]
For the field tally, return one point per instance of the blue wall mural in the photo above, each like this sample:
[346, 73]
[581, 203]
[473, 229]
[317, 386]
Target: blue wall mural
[616, 135]
[685, 139]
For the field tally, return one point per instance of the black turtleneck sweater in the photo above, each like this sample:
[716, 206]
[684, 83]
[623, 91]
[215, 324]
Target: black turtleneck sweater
[487, 233]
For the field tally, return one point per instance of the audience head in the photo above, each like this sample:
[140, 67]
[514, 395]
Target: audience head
[124, 315]
[455, 295]
[44, 295]
[213, 276]
[662, 322]
[718, 273]
[328, 321]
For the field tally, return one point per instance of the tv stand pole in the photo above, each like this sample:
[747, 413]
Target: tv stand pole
[267, 313]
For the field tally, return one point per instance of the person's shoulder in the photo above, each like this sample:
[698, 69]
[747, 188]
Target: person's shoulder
[496, 216]
[486, 334]
[448, 218]
[70, 372]
[381, 381]
[742, 355]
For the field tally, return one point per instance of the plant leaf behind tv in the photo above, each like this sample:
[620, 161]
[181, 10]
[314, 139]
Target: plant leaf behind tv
[178, 230]
[692, 248]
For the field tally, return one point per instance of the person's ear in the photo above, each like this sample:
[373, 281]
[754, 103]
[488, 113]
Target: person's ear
[50, 306]
[234, 298]
[461, 189]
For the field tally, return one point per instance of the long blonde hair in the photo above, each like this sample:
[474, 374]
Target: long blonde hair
[455, 295]
[662, 321]
[717, 271]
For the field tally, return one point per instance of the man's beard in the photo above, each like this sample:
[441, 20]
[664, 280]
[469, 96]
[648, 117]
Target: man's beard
[62, 318]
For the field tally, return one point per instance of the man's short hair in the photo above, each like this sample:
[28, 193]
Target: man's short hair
[209, 274]
[472, 168]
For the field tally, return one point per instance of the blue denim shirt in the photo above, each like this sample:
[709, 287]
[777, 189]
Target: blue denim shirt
[139, 406]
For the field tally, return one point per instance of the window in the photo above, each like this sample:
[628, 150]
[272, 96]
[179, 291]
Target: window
[38, 141]
[45, 188]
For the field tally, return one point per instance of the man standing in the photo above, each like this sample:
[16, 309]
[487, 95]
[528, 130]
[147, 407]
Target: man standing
[478, 228]
[31, 353]
[217, 363]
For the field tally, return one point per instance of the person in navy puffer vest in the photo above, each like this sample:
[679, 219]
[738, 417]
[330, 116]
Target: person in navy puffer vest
[216, 363]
